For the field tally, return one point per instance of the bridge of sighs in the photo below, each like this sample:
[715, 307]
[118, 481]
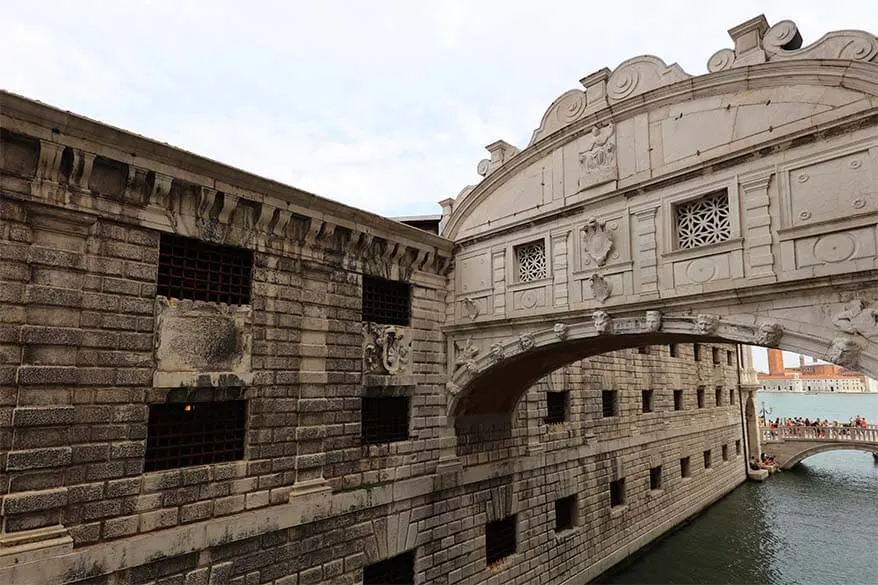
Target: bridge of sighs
[653, 206]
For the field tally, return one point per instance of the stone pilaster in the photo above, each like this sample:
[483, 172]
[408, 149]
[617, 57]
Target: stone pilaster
[757, 225]
[646, 251]
[498, 265]
[559, 267]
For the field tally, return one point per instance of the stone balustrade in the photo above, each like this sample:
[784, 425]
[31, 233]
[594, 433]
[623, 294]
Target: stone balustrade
[821, 433]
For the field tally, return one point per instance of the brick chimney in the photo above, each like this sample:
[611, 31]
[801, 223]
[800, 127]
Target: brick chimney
[775, 362]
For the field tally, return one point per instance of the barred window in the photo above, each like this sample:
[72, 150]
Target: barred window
[699, 395]
[531, 261]
[617, 493]
[565, 513]
[386, 301]
[678, 400]
[646, 400]
[707, 459]
[201, 271]
[398, 570]
[655, 478]
[385, 419]
[718, 395]
[609, 403]
[500, 539]
[197, 433]
[704, 220]
[685, 468]
[556, 407]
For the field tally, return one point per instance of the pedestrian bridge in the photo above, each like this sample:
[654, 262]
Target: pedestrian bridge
[653, 206]
[791, 444]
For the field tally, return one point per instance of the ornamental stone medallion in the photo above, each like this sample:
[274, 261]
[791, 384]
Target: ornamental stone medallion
[597, 243]
[386, 349]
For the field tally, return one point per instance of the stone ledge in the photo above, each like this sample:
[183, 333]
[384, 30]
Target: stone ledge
[34, 546]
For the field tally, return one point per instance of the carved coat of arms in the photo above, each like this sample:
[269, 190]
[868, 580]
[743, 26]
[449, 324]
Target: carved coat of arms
[597, 243]
[386, 349]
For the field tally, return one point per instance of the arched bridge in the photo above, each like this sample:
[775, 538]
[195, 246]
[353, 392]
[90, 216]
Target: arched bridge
[791, 444]
[655, 206]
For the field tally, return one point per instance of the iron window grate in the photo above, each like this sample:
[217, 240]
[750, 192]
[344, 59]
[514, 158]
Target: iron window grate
[201, 271]
[500, 539]
[386, 301]
[608, 403]
[646, 400]
[565, 513]
[385, 419]
[198, 433]
[556, 407]
[398, 570]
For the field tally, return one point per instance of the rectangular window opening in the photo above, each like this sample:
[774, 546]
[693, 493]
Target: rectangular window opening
[196, 433]
[500, 539]
[685, 470]
[565, 513]
[738, 447]
[718, 395]
[398, 570]
[609, 403]
[725, 450]
[696, 352]
[731, 395]
[643, 350]
[384, 419]
[703, 221]
[557, 406]
[707, 459]
[530, 261]
[678, 400]
[699, 394]
[200, 271]
[716, 356]
[387, 302]
[730, 358]
[617, 493]
[655, 478]
[672, 350]
[646, 400]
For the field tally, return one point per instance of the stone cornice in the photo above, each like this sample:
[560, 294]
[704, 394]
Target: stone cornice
[155, 170]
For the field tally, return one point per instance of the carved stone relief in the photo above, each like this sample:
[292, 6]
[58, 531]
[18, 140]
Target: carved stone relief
[560, 330]
[470, 308]
[598, 159]
[857, 318]
[707, 324]
[597, 243]
[603, 324]
[525, 341]
[386, 349]
[653, 321]
[600, 287]
[495, 353]
[843, 352]
[466, 355]
[768, 334]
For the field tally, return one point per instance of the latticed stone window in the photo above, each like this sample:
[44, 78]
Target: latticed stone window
[704, 220]
[531, 261]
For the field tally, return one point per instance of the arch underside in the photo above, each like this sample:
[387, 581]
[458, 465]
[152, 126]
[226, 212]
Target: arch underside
[840, 446]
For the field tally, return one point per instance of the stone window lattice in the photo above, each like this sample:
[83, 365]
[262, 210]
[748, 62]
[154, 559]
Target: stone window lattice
[703, 221]
[531, 261]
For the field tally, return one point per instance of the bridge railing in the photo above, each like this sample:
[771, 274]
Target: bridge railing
[867, 434]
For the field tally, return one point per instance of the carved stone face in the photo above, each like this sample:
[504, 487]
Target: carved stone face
[653, 321]
[601, 321]
[769, 334]
[707, 324]
[843, 352]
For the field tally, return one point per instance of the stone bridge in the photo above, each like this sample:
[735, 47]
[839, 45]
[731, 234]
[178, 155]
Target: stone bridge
[654, 207]
[790, 445]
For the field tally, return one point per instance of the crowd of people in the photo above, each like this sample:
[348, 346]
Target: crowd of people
[763, 462]
[858, 421]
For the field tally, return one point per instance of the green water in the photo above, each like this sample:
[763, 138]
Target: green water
[817, 523]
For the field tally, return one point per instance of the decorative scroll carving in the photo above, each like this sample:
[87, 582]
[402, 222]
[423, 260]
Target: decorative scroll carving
[843, 352]
[858, 319]
[466, 356]
[653, 321]
[641, 74]
[561, 331]
[768, 334]
[470, 308]
[597, 242]
[495, 353]
[568, 108]
[707, 324]
[598, 160]
[600, 287]
[721, 60]
[386, 349]
[525, 341]
[783, 42]
[603, 324]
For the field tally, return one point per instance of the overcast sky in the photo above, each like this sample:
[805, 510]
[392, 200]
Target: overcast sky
[384, 105]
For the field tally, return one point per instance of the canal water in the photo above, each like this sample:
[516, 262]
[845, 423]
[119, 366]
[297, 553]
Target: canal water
[817, 523]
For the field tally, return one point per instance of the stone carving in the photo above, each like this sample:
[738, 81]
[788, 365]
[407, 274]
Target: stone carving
[768, 334]
[598, 160]
[653, 321]
[466, 356]
[843, 352]
[858, 319]
[603, 324]
[707, 324]
[568, 108]
[641, 74]
[452, 388]
[783, 42]
[596, 241]
[470, 308]
[495, 353]
[560, 330]
[525, 341]
[386, 349]
[600, 287]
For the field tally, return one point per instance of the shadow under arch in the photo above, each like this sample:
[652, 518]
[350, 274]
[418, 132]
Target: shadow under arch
[852, 446]
[496, 381]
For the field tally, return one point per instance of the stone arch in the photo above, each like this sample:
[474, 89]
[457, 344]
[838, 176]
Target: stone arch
[392, 534]
[492, 382]
[825, 448]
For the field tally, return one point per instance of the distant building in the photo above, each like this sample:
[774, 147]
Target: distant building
[814, 377]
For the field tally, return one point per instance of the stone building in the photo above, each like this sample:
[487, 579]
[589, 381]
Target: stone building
[815, 377]
[207, 377]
